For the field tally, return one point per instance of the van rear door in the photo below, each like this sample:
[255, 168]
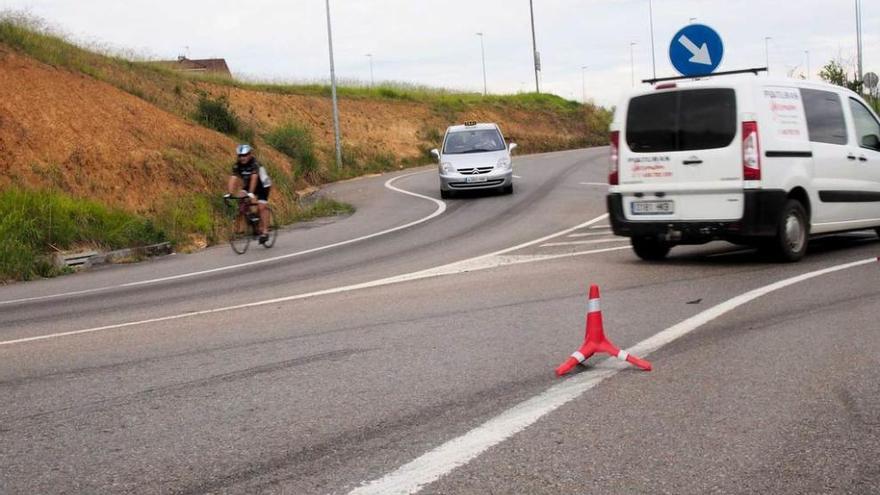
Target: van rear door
[679, 156]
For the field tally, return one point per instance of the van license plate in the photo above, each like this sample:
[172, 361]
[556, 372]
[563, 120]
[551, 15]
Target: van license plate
[471, 180]
[652, 207]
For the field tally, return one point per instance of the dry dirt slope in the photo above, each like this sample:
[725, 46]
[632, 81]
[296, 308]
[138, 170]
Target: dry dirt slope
[68, 131]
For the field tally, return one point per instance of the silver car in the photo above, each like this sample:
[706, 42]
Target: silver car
[474, 156]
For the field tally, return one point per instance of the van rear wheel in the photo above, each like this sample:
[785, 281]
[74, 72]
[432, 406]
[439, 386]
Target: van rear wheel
[792, 231]
[649, 248]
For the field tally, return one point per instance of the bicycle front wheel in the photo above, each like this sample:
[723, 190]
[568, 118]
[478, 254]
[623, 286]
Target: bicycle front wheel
[272, 228]
[240, 235]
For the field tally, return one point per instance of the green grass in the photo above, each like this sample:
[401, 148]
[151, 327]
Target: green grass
[322, 207]
[34, 223]
[296, 142]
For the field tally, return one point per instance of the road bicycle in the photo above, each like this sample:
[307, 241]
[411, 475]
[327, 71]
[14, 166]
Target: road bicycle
[246, 224]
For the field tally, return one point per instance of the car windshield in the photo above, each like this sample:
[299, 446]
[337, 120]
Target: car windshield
[473, 141]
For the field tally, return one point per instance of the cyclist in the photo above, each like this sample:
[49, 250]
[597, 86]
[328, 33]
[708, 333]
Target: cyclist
[251, 178]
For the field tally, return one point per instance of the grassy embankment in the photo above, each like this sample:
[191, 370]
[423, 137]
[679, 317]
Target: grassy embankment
[297, 152]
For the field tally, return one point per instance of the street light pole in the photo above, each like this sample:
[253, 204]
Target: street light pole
[535, 48]
[483, 54]
[370, 55]
[859, 37]
[767, 53]
[807, 52]
[632, 66]
[651, 16]
[584, 84]
[333, 91]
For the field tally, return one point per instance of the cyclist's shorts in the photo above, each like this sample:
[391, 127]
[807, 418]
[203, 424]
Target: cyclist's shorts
[262, 194]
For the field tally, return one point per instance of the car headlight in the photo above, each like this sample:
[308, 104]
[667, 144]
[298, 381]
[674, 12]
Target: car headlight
[503, 163]
[447, 167]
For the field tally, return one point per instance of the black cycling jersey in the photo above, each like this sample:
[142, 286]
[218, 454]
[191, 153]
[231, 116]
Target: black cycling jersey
[246, 170]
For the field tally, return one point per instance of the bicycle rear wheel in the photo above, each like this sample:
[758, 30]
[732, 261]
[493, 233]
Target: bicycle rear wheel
[240, 235]
[272, 228]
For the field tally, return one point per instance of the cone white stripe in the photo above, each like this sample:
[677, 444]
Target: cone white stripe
[593, 306]
[622, 355]
[577, 355]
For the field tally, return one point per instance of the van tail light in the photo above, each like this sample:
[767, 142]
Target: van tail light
[751, 151]
[614, 159]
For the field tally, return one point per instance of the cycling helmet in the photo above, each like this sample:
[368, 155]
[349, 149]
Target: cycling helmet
[243, 149]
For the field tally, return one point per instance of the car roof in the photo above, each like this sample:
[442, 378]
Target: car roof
[741, 81]
[479, 126]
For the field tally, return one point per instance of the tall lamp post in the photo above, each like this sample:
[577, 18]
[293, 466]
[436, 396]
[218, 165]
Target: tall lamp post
[651, 18]
[859, 38]
[584, 84]
[767, 53]
[483, 55]
[333, 91]
[632, 67]
[807, 53]
[370, 56]
[535, 49]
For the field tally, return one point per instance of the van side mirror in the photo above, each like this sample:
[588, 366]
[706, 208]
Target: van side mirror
[871, 141]
[435, 153]
[511, 147]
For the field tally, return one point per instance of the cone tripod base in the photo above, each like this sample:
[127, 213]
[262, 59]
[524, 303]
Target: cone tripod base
[596, 342]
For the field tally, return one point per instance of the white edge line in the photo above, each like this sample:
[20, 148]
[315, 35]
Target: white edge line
[429, 467]
[581, 243]
[441, 207]
[482, 262]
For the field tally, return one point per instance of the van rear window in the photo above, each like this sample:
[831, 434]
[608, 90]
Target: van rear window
[695, 119]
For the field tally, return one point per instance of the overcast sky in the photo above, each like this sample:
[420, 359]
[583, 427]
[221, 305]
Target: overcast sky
[433, 42]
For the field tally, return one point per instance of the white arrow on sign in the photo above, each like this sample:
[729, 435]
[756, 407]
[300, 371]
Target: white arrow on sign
[700, 54]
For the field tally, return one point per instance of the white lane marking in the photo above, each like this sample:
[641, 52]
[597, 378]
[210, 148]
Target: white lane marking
[483, 262]
[441, 207]
[429, 467]
[596, 227]
[517, 177]
[588, 234]
[581, 243]
[594, 183]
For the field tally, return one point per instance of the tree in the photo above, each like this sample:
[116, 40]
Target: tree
[834, 73]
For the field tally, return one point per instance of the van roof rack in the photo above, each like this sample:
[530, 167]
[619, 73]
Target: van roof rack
[754, 71]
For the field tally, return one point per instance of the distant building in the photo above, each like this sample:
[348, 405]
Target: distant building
[213, 66]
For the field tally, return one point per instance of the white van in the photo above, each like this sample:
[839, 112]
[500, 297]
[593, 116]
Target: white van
[747, 159]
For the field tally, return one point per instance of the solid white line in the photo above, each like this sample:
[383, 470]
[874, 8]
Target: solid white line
[588, 234]
[441, 207]
[600, 227]
[415, 475]
[483, 262]
[594, 183]
[580, 243]
[517, 177]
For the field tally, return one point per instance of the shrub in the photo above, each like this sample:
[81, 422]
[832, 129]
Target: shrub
[216, 114]
[296, 141]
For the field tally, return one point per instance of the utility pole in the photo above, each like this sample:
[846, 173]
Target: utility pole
[535, 49]
[807, 52]
[333, 91]
[483, 54]
[767, 53]
[370, 55]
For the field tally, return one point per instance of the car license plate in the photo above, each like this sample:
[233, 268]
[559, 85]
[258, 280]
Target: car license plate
[472, 180]
[652, 207]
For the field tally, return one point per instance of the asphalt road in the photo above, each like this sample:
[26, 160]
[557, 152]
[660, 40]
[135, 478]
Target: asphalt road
[377, 363]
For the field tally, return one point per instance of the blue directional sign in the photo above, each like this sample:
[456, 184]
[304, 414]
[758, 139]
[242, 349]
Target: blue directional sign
[696, 50]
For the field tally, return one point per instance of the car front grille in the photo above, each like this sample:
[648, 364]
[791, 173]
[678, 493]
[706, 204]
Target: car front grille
[479, 170]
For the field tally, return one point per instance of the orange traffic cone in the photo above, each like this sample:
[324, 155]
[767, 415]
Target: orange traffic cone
[595, 340]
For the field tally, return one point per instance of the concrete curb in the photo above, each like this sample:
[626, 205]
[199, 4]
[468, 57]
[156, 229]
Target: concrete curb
[88, 259]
